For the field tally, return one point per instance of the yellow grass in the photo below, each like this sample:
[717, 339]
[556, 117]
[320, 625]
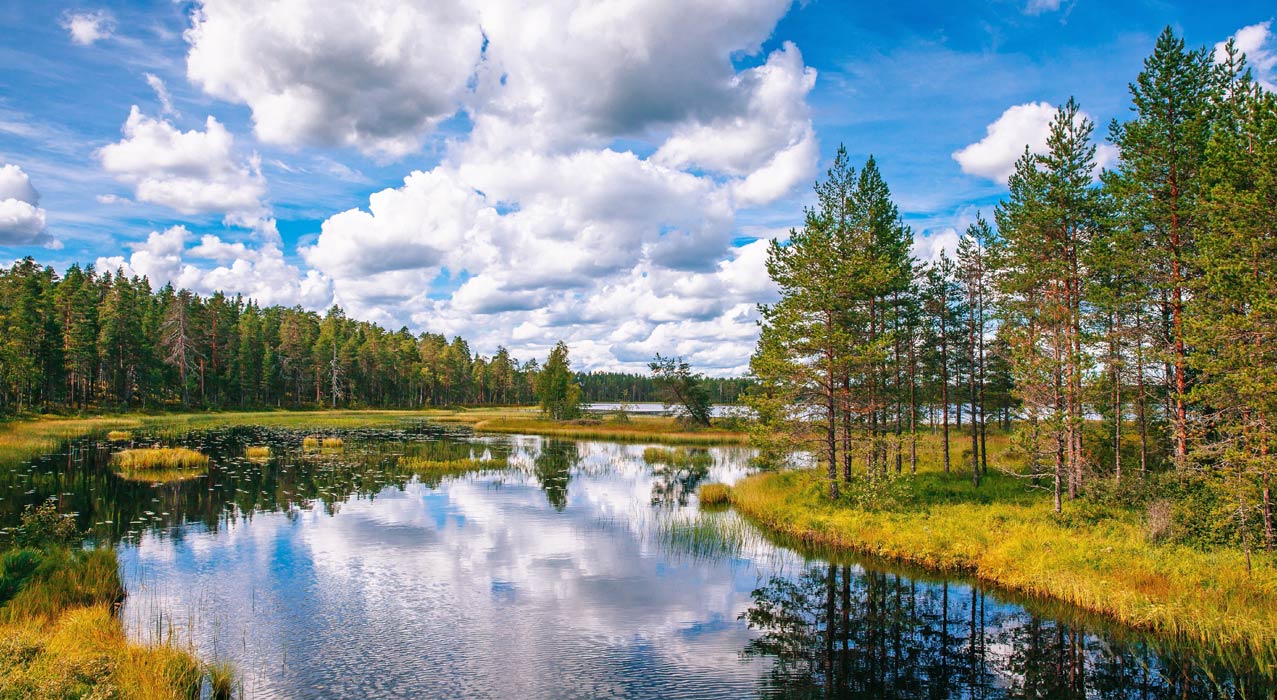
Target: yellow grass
[314, 442]
[714, 494]
[144, 458]
[1008, 535]
[119, 436]
[638, 429]
[59, 638]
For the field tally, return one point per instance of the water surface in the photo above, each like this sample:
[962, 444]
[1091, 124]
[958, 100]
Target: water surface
[565, 570]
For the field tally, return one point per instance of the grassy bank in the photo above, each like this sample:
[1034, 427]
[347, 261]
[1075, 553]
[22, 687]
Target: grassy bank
[59, 635]
[663, 429]
[1006, 533]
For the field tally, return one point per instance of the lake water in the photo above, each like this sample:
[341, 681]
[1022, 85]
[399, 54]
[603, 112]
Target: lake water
[569, 570]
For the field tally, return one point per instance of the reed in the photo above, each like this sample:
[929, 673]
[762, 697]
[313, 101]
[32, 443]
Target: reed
[119, 436]
[714, 494]
[221, 680]
[146, 458]
[315, 442]
[257, 452]
[707, 535]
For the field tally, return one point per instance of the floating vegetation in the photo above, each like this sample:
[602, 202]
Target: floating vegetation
[159, 465]
[420, 465]
[257, 452]
[159, 458]
[714, 494]
[314, 442]
[119, 436]
[678, 457]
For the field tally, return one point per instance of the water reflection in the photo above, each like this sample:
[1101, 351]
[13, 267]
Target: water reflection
[838, 631]
[548, 572]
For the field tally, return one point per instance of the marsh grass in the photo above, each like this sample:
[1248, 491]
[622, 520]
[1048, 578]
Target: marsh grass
[119, 436]
[636, 429]
[1006, 533]
[449, 467]
[714, 495]
[708, 535]
[60, 639]
[221, 680]
[257, 452]
[157, 458]
[315, 442]
[678, 457]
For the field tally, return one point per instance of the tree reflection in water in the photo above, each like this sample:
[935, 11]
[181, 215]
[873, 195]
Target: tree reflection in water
[843, 632]
[553, 469]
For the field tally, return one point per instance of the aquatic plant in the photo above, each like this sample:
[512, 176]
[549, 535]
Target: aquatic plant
[159, 458]
[678, 457]
[314, 442]
[257, 452]
[714, 494]
[221, 680]
[709, 535]
[119, 436]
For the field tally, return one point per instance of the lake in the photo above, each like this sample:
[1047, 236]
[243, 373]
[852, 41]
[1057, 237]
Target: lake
[563, 570]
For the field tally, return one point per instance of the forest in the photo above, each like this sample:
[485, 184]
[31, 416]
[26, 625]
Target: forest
[1119, 323]
[88, 340]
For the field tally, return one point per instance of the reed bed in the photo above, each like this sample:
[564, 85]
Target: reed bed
[420, 465]
[638, 429]
[714, 494]
[147, 458]
[257, 452]
[314, 442]
[707, 535]
[119, 436]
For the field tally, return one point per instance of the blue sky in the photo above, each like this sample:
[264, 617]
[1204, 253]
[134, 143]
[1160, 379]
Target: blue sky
[598, 173]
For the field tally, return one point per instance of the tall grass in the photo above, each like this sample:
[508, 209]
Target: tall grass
[1007, 534]
[119, 436]
[314, 442]
[707, 535]
[678, 457]
[714, 494]
[257, 452]
[145, 458]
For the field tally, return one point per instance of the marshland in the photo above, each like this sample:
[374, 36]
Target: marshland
[425, 554]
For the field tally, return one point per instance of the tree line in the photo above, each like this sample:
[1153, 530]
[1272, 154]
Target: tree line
[1118, 323]
[89, 340]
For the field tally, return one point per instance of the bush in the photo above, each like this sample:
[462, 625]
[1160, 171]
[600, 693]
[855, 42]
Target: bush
[44, 526]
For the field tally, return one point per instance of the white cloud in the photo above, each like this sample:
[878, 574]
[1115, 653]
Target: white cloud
[192, 172]
[161, 94]
[993, 157]
[261, 273]
[1257, 42]
[535, 225]
[373, 74]
[1038, 7]
[22, 221]
[87, 28]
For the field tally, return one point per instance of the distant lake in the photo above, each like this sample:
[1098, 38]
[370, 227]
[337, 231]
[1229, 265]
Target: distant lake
[717, 410]
[572, 570]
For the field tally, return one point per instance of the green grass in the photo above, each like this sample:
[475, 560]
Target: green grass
[707, 535]
[1006, 533]
[714, 494]
[637, 429]
[678, 457]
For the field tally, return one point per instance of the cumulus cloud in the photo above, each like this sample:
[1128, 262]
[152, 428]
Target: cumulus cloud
[22, 221]
[374, 74]
[535, 225]
[993, 157]
[192, 172]
[1257, 42]
[87, 28]
[262, 273]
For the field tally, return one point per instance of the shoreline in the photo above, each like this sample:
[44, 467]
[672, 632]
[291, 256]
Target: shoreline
[1170, 590]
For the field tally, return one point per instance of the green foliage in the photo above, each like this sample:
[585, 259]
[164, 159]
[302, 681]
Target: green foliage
[558, 395]
[44, 526]
[682, 389]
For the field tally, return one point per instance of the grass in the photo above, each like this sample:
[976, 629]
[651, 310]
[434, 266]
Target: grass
[60, 639]
[314, 442]
[119, 436]
[637, 429]
[448, 467]
[707, 535]
[1007, 534]
[714, 494]
[678, 457]
[145, 458]
[257, 452]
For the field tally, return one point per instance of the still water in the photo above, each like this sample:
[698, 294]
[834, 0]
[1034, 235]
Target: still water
[559, 569]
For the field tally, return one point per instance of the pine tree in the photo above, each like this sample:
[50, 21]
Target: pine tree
[558, 395]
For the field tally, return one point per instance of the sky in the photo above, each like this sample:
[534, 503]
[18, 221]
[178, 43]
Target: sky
[605, 172]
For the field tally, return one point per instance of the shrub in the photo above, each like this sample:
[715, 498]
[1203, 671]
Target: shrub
[43, 525]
